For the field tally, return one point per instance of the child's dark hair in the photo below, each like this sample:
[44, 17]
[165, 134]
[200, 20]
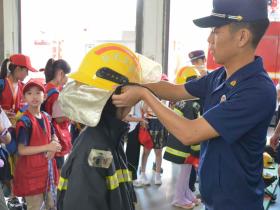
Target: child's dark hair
[110, 109]
[53, 65]
[5, 69]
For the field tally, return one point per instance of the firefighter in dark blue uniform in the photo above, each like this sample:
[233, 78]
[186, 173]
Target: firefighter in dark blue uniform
[239, 101]
[95, 175]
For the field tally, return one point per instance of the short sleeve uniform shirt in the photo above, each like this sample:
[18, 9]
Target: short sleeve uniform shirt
[239, 108]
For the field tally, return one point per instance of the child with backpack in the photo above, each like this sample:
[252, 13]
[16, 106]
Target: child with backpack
[36, 175]
[55, 74]
[13, 71]
[5, 138]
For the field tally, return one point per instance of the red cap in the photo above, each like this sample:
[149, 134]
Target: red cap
[22, 60]
[33, 82]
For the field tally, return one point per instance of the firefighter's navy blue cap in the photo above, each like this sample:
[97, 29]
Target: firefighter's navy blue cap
[228, 11]
[196, 54]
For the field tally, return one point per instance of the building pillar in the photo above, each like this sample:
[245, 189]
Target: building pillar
[9, 27]
[152, 30]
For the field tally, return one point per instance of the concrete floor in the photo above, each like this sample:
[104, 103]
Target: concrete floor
[159, 197]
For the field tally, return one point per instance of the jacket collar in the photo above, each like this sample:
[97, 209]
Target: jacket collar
[117, 128]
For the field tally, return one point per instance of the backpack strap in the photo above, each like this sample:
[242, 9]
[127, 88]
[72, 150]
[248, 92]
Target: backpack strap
[2, 86]
[51, 92]
[24, 108]
[27, 122]
[48, 116]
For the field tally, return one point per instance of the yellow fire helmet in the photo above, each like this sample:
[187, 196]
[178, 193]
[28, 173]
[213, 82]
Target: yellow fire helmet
[267, 160]
[186, 74]
[107, 66]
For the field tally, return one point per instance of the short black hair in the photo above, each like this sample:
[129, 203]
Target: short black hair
[257, 28]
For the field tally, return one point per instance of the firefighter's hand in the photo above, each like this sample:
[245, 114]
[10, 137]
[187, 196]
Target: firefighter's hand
[50, 155]
[274, 141]
[54, 146]
[130, 95]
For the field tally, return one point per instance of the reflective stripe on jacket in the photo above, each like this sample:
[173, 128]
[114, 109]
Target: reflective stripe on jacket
[177, 152]
[87, 187]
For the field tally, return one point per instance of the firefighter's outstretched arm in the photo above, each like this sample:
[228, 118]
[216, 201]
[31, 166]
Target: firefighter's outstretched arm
[169, 91]
[187, 131]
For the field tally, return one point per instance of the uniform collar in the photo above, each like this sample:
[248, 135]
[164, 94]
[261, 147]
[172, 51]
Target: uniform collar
[247, 71]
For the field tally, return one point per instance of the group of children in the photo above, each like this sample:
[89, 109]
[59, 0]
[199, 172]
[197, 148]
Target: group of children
[40, 139]
[40, 136]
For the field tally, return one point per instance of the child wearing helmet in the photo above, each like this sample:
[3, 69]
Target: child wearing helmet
[176, 152]
[95, 175]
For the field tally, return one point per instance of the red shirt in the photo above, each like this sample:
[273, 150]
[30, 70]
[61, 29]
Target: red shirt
[61, 129]
[50, 100]
[11, 99]
[31, 171]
